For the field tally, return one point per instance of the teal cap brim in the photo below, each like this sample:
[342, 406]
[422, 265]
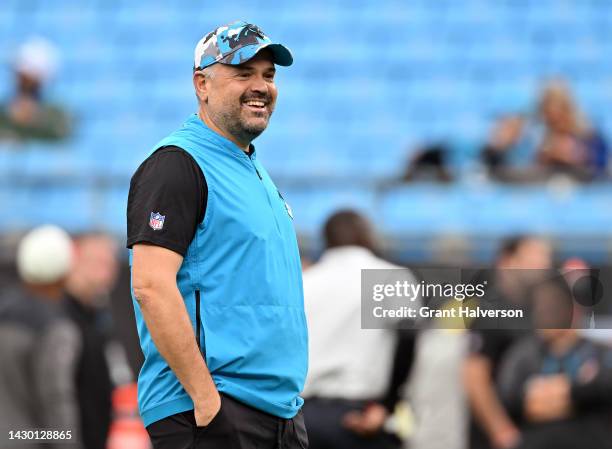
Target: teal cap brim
[282, 55]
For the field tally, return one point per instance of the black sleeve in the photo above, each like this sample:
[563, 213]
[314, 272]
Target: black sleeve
[167, 200]
[489, 343]
[402, 364]
[519, 364]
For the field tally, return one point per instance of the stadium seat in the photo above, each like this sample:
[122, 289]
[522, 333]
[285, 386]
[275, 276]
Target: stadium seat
[371, 82]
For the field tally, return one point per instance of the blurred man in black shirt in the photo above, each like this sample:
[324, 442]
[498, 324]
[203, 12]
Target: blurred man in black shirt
[89, 284]
[556, 385]
[491, 426]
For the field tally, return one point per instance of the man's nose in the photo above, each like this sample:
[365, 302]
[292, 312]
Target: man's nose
[259, 85]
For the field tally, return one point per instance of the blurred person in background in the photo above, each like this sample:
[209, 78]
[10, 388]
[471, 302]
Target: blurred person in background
[349, 366]
[435, 391]
[570, 144]
[557, 385]
[430, 363]
[520, 260]
[88, 286]
[26, 115]
[40, 345]
[429, 163]
[504, 138]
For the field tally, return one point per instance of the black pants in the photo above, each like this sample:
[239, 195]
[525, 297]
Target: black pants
[325, 430]
[236, 426]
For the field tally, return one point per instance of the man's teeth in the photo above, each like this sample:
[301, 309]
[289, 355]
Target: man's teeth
[257, 104]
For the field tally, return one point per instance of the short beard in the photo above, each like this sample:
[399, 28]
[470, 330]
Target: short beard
[239, 128]
[231, 120]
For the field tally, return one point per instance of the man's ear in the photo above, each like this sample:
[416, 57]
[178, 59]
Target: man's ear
[201, 85]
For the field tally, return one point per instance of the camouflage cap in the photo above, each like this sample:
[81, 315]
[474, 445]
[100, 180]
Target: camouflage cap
[236, 43]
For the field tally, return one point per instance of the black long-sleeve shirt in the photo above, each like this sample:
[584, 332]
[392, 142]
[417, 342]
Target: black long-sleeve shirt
[403, 360]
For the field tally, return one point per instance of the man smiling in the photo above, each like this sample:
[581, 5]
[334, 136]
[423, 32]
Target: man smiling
[216, 275]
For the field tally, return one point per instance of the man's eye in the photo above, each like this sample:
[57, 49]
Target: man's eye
[269, 77]
[244, 75]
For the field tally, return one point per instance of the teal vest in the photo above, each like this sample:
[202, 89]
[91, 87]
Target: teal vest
[242, 286]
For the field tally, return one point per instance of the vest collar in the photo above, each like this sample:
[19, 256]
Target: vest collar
[224, 142]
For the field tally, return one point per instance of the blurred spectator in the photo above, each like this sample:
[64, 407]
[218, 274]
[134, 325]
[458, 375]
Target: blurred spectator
[558, 387]
[429, 163]
[430, 361]
[349, 366]
[504, 138]
[436, 391]
[27, 116]
[89, 285]
[520, 260]
[570, 144]
[39, 344]
[552, 303]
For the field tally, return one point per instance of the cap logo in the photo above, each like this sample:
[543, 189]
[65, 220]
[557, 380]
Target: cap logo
[246, 36]
[255, 29]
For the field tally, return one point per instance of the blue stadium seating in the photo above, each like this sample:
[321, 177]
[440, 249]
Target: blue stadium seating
[371, 82]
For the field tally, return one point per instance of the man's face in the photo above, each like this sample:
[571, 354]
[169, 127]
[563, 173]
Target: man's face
[552, 307]
[96, 268]
[240, 99]
[532, 254]
[27, 84]
[528, 264]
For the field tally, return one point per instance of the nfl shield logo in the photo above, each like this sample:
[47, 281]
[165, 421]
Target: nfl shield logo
[156, 221]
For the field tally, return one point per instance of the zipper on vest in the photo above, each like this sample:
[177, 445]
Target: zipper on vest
[267, 195]
[198, 319]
